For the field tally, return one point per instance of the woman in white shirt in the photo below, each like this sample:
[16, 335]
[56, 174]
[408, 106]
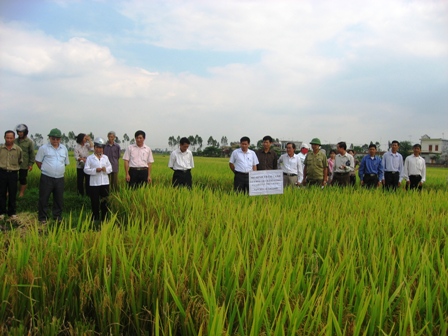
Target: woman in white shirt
[98, 167]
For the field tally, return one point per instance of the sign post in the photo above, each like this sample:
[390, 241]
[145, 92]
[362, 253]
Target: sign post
[265, 182]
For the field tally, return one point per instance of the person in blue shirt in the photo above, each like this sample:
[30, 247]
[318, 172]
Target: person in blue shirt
[51, 159]
[371, 171]
[392, 162]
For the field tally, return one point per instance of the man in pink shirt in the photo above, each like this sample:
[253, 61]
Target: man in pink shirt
[138, 161]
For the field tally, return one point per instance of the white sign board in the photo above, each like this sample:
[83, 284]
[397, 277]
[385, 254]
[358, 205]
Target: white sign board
[265, 182]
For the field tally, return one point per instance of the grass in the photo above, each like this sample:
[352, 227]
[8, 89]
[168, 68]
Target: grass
[208, 262]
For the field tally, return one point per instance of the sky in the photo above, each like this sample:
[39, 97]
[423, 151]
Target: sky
[353, 71]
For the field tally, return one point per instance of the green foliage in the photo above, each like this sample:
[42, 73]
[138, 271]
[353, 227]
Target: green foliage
[212, 262]
[405, 149]
[211, 151]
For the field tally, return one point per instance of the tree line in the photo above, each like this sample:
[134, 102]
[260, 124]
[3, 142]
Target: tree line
[69, 139]
[217, 148]
[213, 147]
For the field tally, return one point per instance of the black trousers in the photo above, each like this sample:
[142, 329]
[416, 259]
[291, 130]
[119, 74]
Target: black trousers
[241, 182]
[370, 181]
[415, 180]
[47, 186]
[391, 180]
[341, 179]
[139, 177]
[83, 182]
[8, 185]
[352, 180]
[23, 173]
[182, 178]
[98, 201]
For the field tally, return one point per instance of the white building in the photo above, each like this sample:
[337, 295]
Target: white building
[433, 148]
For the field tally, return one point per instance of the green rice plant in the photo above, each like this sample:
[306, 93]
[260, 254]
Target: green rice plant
[209, 261]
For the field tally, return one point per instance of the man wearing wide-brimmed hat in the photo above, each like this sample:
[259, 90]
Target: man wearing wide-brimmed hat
[51, 159]
[316, 166]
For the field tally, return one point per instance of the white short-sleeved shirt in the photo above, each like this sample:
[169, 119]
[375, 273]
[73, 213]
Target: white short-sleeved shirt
[181, 160]
[291, 165]
[53, 160]
[138, 157]
[414, 165]
[243, 161]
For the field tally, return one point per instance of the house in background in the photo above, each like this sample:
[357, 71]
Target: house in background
[434, 149]
[284, 142]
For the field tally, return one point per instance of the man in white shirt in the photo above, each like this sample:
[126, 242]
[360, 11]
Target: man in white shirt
[343, 165]
[242, 161]
[414, 169]
[51, 159]
[181, 161]
[291, 166]
[393, 167]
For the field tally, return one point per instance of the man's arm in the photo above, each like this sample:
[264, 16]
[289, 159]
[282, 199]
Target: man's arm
[149, 172]
[40, 157]
[324, 181]
[31, 157]
[325, 164]
[380, 173]
[232, 166]
[423, 173]
[20, 156]
[126, 170]
[352, 164]
[171, 161]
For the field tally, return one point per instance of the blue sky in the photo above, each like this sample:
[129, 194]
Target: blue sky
[337, 70]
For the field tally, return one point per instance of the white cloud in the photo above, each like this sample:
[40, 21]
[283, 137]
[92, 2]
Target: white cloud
[34, 53]
[308, 82]
[297, 26]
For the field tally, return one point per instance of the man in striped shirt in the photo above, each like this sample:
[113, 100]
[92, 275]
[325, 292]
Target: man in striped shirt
[392, 166]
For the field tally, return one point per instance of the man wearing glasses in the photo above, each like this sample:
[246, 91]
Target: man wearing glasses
[51, 159]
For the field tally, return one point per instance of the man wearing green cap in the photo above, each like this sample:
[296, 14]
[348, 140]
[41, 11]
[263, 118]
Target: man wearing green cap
[316, 166]
[51, 159]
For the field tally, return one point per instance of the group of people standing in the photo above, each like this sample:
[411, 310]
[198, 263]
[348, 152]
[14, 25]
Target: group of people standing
[97, 167]
[97, 164]
[312, 168]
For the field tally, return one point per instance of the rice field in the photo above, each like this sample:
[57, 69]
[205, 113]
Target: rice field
[212, 262]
